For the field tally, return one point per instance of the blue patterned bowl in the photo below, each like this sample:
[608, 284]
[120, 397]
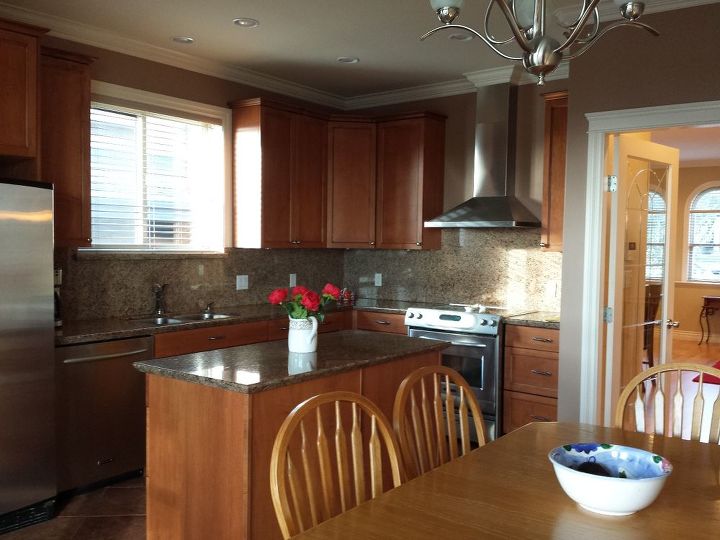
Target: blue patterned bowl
[609, 479]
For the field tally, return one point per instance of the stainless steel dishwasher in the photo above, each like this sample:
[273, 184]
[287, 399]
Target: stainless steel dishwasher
[101, 410]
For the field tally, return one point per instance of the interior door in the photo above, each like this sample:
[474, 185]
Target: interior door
[640, 273]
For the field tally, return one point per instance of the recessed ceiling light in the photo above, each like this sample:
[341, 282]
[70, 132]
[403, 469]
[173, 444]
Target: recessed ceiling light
[348, 59]
[460, 37]
[246, 22]
[185, 40]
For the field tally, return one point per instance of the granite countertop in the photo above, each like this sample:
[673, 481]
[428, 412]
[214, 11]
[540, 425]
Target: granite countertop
[254, 368]
[537, 319]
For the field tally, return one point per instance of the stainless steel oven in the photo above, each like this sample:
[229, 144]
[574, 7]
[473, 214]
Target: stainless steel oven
[474, 352]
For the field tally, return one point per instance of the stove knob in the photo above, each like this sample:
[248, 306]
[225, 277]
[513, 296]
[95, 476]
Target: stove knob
[493, 323]
[483, 322]
[419, 315]
[411, 315]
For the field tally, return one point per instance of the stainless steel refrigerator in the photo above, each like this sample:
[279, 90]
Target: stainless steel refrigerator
[27, 381]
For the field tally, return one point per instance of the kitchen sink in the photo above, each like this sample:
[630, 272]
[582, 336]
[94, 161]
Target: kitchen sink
[160, 321]
[202, 317]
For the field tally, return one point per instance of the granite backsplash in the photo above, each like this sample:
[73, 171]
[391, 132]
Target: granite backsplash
[492, 266]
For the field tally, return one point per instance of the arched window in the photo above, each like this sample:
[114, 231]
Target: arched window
[704, 236]
[655, 244]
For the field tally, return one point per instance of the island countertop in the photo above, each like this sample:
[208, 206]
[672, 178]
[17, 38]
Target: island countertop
[261, 366]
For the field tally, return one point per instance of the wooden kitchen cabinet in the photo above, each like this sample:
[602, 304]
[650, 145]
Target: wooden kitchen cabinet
[551, 232]
[206, 339]
[410, 165]
[334, 322]
[531, 376]
[393, 323]
[279, 175]
[65, 136]
[351, 183]
[19, 89]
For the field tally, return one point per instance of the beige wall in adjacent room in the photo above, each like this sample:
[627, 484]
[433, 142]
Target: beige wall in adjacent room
[626, 69]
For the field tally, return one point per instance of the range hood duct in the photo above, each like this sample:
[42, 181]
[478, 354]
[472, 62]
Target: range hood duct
[494, 203]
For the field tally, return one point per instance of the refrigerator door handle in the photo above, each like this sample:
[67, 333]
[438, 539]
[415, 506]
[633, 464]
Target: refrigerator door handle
[102, 356]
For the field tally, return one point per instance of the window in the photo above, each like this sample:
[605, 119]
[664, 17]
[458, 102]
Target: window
[157, 181]
[655, 244]
[704, 236]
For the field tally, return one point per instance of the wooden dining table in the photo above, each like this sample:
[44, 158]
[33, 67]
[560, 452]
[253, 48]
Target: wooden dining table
[507, 489]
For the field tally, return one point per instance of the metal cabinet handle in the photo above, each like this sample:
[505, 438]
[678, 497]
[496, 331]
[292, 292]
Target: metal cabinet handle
[215, 338]
[372, 243]
[539, 418]
[544, 244]
[102, 356]
[382, 321]
[105, 461]
[284, 328]
[672, 324]
[542, 339]
[418, 243]
[540, 372]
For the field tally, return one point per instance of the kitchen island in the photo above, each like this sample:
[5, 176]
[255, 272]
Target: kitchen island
[212, 418]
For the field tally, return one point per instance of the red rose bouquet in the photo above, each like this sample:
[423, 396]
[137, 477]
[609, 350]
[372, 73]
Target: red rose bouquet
[301, 302]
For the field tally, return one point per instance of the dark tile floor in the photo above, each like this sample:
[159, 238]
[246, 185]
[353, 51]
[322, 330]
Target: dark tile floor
[115, 512]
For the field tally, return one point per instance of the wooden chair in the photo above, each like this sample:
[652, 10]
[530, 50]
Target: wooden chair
[427, 435]
[660, 406]
[309, 486]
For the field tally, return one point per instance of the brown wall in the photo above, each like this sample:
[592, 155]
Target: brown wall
[627, 69]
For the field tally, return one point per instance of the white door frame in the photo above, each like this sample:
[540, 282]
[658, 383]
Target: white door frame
[599, 126]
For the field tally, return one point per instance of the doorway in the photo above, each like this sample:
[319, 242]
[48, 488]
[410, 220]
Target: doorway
[599, 381]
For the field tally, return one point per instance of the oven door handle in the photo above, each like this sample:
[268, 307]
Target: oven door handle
[462, 343]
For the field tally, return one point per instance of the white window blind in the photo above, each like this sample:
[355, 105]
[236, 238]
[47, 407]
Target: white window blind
[157, 182]
[704, 236]
[655, 245]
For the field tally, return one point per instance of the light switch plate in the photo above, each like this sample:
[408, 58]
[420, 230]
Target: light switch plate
[241, 282]
[293, 280]
[378, 279]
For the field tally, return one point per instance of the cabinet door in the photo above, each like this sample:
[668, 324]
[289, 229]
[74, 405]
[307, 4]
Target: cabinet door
[18, 99]
[276, 141]
[351, 185]
[551, 237]
[410, 182]
[65, 98]
[392, 323]
[308, 183]
[520, 409]
[206, 339]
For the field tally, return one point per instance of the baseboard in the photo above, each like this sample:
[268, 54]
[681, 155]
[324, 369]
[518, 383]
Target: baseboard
[686, 335]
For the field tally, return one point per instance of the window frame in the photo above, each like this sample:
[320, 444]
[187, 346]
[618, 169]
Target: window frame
[660, 193]
[122, 96]
[712, 184]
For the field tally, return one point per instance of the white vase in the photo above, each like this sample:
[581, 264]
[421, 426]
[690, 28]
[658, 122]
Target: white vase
[302, 335]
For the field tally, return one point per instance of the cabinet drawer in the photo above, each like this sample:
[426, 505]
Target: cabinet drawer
[521, 409]
[278, 328]
[526, 337]
[535, 372]
[381, 322]
[205, 339]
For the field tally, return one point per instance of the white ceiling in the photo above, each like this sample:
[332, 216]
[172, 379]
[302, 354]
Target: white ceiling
[699, 146]
[297, 42]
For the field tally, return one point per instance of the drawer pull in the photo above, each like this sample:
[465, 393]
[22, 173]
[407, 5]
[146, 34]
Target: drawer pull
[542, 339]
[216, 338]
[105, 461]
[382, 321]
[284, 328]
[539, 418]
[540, 372]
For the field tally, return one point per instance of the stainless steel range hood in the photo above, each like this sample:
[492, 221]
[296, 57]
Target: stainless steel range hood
[493, 203]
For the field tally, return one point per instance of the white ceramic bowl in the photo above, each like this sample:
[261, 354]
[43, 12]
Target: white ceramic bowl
[635, 477]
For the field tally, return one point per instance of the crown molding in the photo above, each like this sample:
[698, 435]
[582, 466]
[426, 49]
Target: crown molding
[608, 11]
[415, 93]
[63, 28]
[513, 74]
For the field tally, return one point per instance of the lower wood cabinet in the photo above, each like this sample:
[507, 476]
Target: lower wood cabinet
[393, 323]
[531, 376]
[214, 337]
[334, 322]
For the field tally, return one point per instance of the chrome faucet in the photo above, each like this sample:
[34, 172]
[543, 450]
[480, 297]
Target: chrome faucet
[159, 291]
[208, 312]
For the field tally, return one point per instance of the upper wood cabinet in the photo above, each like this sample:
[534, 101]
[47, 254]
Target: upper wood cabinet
[65, 147]
[551, 234]
[351, 183]
[18, 89]
[386, 179]
[410, 165]
[279, 175]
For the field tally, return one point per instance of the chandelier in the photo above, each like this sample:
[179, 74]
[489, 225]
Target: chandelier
[541, 53]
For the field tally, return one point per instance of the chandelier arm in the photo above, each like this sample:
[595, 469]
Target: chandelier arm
[474, 32]
[593, 34]
[591, 8]
[489, 36]
[571, 26]
[607, 29]
[512, 23]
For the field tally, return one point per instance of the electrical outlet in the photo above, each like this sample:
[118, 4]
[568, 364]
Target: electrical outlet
[201, 270]
[378, 279]
[241, 282]
[293, 280]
